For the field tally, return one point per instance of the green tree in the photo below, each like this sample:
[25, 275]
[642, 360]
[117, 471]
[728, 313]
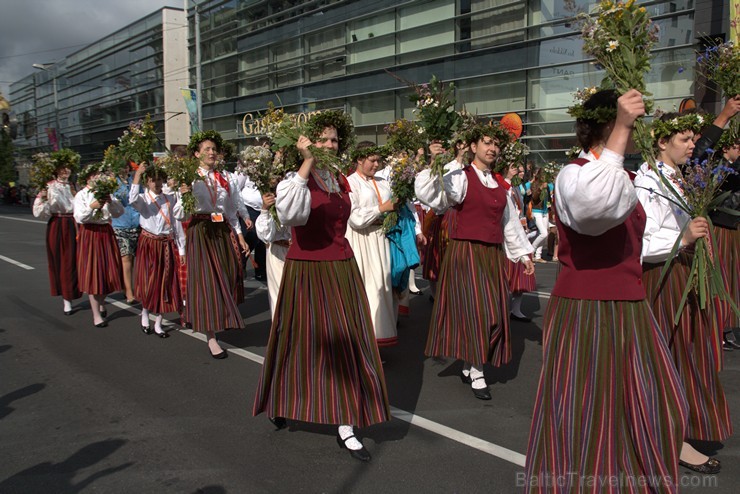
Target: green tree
[7, 167]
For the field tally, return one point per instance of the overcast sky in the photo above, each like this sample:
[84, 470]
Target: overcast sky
[42, 31]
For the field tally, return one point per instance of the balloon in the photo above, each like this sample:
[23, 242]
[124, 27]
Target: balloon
[513, 123]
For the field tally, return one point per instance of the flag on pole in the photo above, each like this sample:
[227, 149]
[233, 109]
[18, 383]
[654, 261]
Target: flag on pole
[191, 102]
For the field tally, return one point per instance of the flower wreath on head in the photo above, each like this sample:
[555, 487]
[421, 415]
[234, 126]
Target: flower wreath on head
[207, 135]
[154, 171]
[332, 118]
[493, 130]
[599, 114]
[730, 136]
[362, 153]
[688, 121]
[90, 170]
[65, 158]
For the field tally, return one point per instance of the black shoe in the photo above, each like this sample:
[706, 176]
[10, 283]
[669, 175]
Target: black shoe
[709, 467]
[187, 325]
[103, 313]
[219, 356]
[147, 329]
[465, 379]
[483, 393]
[729, 340]
[278, 422]
[101, 325]
[726, 346]
[68, 312]
[358, 454]
[163, 334]
[520, 318]
[416, 292]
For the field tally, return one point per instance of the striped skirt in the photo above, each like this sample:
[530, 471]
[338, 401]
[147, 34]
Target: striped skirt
[213, 289]
[99, 269]
[322, 363]
[696, 347]
[157, 284]
[436, 230]
[470, 318]
[518, 281]
[609, 406]
[61, 252]
[728, 250]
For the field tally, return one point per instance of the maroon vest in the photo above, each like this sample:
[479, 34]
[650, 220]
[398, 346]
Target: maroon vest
[479, 215]
[603, 267]
[322, 237]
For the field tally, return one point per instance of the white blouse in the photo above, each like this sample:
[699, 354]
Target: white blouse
[211, 197]
[429, 192]
[83, 213]
[595, 197]
[268, 230]
[665, 220]
[365, 202]
[59, 200]
[293, 199]
[152, 220]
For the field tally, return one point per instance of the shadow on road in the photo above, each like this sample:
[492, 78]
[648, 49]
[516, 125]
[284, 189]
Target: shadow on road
[59, 477]
[5, 401]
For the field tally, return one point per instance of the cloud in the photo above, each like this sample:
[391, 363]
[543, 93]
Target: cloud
[41, 31]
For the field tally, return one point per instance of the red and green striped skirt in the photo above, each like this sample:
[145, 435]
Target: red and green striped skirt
[99, 269]
[436, 229]
[609, 404]
[518, 281]
[61, 253]
[470, 318]
[696, 345]
[728, 251]
[322, 363]
[214, 287]
[157, 283]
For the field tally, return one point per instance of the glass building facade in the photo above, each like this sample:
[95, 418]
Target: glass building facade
[87, 100]
[522, 56]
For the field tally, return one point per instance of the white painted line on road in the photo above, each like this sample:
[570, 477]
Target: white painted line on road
[538, 294]
[461, 437]
[22, 219]
[19, 264]
[426, 424]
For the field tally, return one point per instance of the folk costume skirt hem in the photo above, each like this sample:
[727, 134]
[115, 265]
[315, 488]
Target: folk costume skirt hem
[517, 280]
[322, 363]
[609, 406]
[99, 269]
[157, 283]
[61, 253]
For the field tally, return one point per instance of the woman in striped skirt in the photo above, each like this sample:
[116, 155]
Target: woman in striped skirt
[277, 239]
[609, 414]
[470, 316]
[55, 203]
[99, 269]
[157, 284]
[212, 255]
[322, 363]
[695, 341]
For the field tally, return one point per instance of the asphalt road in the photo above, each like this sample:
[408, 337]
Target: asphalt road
[85, 409]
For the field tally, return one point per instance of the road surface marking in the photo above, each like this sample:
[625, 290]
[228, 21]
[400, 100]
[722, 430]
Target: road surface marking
[19, 264]
[22, 219]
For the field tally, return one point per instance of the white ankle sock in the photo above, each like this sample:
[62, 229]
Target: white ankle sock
[144, 318]
[479, 382]
[158, 324]
[346, 431]
[67, 305]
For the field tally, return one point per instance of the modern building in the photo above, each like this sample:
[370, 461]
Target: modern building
[86, 100]
[504, 56]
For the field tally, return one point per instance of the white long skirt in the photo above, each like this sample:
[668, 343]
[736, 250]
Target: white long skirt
[275, 260]
[373, 256]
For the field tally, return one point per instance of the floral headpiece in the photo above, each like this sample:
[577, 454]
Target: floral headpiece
[332, 118]
[155, 171]
[600, 114]
[207, 135]
[666, 127]
[492, 129]
[91, 170]
[362, 153]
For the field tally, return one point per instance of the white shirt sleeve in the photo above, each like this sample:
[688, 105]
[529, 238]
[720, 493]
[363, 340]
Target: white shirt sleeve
[41, 209]
[265, 227]
[516, 245]
[662, 228]
[595, 197]
[428, 189]
[293, 201]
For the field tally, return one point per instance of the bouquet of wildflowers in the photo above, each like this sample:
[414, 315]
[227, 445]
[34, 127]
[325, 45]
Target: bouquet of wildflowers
[550, 171]
[43, 170]
[620, 38]
[182, 170]
[137, 142]
[720, 63]
[514, 153]
[405, 135]
[266, 171]
[700, 184]
[402, 176]
[573, 153]
[435, 107]
[101, 188]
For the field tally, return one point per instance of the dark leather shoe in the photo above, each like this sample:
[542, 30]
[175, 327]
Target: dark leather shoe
[278, 422]
[358, 454]
[416, 292]
[103, 314]
[483, 393]
[709, 467]
[147, 329]
[465, 379]
[219, 356]
[69, 312]
[519, 318]
[163, 334]
[101, 325]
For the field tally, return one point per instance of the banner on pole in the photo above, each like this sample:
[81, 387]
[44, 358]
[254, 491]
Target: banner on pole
[191, 102]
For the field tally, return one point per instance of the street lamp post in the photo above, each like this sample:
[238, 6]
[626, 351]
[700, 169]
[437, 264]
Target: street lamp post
[57, 129]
